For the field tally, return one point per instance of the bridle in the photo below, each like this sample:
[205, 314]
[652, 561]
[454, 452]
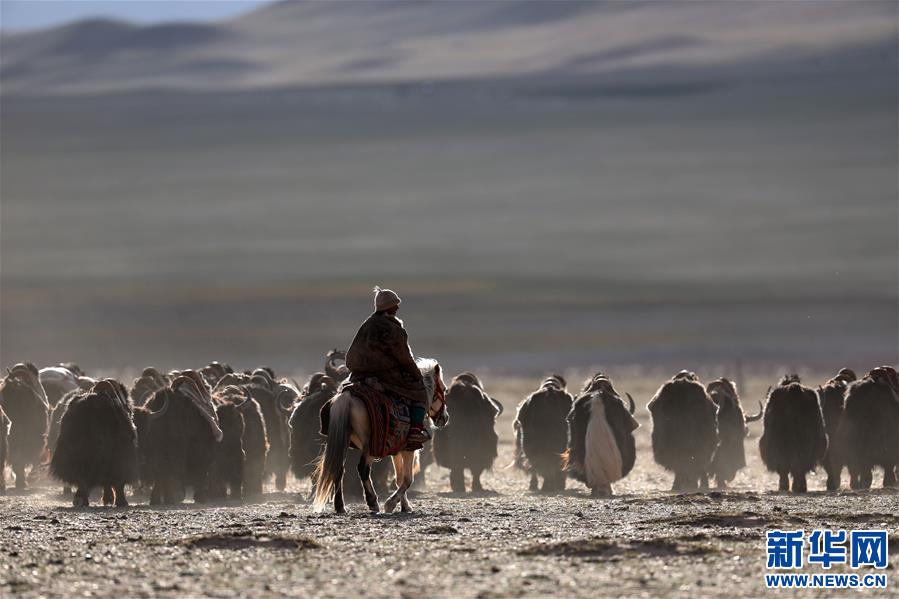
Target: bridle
[439, 396]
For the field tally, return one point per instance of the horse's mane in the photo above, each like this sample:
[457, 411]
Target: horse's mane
[428, 368]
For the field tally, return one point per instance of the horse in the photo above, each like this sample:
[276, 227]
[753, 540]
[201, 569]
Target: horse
[349, 423]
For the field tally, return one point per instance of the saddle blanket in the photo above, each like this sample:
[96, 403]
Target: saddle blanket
[388, 418]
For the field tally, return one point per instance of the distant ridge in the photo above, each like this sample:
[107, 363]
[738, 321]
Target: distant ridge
[289, 44]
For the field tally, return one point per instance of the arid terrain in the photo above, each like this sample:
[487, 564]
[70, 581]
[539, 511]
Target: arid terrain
[503, 542]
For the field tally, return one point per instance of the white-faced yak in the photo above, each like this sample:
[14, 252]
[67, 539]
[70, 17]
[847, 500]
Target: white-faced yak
[23, 400]
[601, 429]
[684, 431]
[870, 428]
[832, 397]
[177, 438]
[541, 434]
[794, 440]
[97, 444]
[469, 440]
[730, 456]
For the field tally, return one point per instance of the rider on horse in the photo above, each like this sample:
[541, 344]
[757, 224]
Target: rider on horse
[381, 351]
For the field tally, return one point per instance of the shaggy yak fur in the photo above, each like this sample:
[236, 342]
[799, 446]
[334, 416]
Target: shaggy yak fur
[869, 430]
[732, 430]
[177, 438]
[601, 448]
[277, 401]
[541, 434]
[4, 448]
[254, 440]
[23, 400]
[469, 440]
[214, 372]
[307, 442]
[832, 397]
[229, 457]
[794, 440]
[97, 444]
[684, 431]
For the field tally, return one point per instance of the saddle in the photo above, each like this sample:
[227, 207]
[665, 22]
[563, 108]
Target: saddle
[388, 416]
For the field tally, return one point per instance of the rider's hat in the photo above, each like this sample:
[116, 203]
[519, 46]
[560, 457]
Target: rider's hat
[385, 299]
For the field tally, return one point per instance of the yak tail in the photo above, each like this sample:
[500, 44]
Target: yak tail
[329, 466]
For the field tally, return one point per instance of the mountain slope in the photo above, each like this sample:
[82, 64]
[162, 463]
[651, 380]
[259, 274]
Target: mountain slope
[316, 43]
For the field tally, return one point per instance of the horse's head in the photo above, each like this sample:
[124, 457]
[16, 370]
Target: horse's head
[432, 375]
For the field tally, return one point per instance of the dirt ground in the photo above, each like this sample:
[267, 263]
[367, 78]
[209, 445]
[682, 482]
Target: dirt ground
[645, 541]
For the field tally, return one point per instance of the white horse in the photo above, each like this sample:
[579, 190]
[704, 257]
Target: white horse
[349, 423]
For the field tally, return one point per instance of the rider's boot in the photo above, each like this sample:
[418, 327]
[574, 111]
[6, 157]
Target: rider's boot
[418, 434]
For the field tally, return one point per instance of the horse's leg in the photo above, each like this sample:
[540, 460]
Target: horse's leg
[408, 477]
[339, 506]
[394, 498]
[371, 498]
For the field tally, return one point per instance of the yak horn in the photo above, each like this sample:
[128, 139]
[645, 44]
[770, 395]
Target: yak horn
[246, 400]
[160, 412]
[633, 405]
[496, 405]
[757, 416]
[287, 408]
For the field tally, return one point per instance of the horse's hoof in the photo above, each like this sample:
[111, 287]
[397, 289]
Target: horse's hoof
[389, 507]
[407, 509]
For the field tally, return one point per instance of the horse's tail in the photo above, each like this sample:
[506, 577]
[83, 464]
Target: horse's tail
[329, 465]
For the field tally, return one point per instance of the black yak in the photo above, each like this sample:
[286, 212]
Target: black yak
[307, 442]
[684, 431]
[601, 448]
[869, 430]
[149, 382]
[214, 372]
[794, 439]
[229, 457]
[97, 444]
[832, 397]
[177, 440]
[730, 456]
[25, 403]
[541, 434]
[254, 439]
[4, 448]
[469, 440]
[277, 401]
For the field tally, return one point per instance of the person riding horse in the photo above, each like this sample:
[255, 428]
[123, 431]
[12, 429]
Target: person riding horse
[381, 351]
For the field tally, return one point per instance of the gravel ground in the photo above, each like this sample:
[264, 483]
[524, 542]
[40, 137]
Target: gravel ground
[503, 542]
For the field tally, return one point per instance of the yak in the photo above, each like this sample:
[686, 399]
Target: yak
[869, 429]
[97, 444]
[307, 442]
[684, 431]
[4, 448]
[730, 457]
[177, 438]
[335, 365]
[541, 434]
[794, 439]
[57, 381]
[214, 372]
[601, 447]
[229, 456]
[23, 400]
[832, 398]
[254, 440]
[277, 401]
[469, 440]
[149, 382]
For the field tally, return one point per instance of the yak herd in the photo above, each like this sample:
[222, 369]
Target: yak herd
[222, 434]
